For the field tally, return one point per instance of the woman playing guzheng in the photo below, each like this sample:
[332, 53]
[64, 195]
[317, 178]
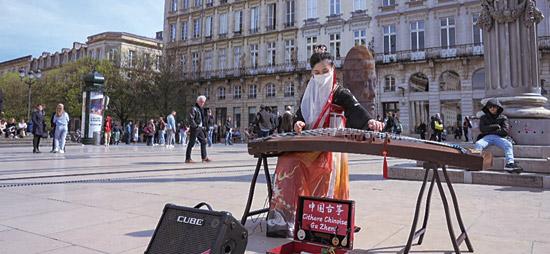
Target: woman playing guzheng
[325, 104]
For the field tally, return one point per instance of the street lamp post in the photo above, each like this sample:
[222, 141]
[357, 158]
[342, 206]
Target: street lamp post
[29, 78]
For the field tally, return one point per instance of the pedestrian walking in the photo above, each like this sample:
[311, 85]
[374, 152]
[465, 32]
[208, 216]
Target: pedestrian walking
[198, 122]
[171, 129]
[287, 120]
[162, 131]
[128, 131]
[264, 120]
[108, 130]
[38, 127]
[116, 134]
[228, 132]
[211, 126]
[149, 132]
[466, 126]
[61, 120]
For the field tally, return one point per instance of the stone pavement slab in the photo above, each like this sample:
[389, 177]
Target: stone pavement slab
[109, 200]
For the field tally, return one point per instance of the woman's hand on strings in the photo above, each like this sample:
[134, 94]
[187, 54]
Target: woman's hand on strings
[299, 126]
[375, 125]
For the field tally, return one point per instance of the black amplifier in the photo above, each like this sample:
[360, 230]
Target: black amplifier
[185, 230]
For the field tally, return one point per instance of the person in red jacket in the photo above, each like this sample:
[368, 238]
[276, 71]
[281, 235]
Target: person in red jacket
[108, 129]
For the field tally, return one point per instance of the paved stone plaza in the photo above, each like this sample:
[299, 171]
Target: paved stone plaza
[117, 196]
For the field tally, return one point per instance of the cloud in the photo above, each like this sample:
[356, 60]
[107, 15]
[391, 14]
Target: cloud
[34, 26]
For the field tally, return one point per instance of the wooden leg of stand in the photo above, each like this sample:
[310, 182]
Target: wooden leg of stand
[463, 236]
[427, 211]
[251, 191]
[447, 212]
[268, 180]
[416, 212]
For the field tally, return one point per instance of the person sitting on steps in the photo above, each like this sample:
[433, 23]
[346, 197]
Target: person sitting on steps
[494, 129]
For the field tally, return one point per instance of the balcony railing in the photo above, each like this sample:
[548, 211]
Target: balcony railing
[247, 71]
[544, 42]
[432, 53]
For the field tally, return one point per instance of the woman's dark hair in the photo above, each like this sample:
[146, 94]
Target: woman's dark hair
[320, 54]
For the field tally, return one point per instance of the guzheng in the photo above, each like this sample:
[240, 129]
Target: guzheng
[373, 143]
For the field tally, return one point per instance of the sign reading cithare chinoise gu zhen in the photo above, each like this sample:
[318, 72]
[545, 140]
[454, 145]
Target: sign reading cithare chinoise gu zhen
[324, 221]
[325, 217]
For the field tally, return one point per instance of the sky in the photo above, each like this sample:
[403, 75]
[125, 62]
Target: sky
[30, 27]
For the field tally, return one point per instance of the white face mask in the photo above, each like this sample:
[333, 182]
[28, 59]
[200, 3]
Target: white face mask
[321, 79]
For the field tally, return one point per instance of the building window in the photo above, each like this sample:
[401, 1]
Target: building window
[184, 30]
[388, 2]
[270, 91]
[221, 93]
[360, 37]
[311, 9]
[447, 32]
[221, 59]
[289, 51]
[209, 3]
[290, 12]
[236, 57]
[197, 28]
[237, 92]
[183, 63]
[174, 5]
[289, 90]
[417, 35]
[271, 53]
[195, 61]
[157, 62]
[334, 7]
[389, 84]
[237, 117]
[254, 55]
[185, 4]
[131, 58]
[478, 33]
[238, 22]
[208, 26]
[254, 19]
[389, 39]
[252, 91]
[198, 3]
[251, 115]
[172, 32]
[112, 56]
[208, 61]
[271, 16]
[359, 5]
[335, 44]
[310, 45]
[223, 24]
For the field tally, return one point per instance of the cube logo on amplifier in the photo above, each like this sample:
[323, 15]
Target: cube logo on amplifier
[186, 230]
[190, 221]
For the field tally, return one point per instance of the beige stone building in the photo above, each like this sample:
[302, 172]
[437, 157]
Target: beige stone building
[242, 54]
[245, 53]
[430, 59]
[14, 65]
[123, 48]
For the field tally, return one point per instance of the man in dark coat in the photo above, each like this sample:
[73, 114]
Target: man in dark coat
[494, 129]
[287, 120]
[198, 123]
[264, 120]
[38, 127]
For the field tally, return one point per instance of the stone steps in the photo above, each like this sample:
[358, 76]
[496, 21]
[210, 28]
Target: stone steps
[522, 151]
[411, 171]
[531, 165]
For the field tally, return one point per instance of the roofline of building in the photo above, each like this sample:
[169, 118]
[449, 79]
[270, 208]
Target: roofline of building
[20, 59]
[120, 34]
